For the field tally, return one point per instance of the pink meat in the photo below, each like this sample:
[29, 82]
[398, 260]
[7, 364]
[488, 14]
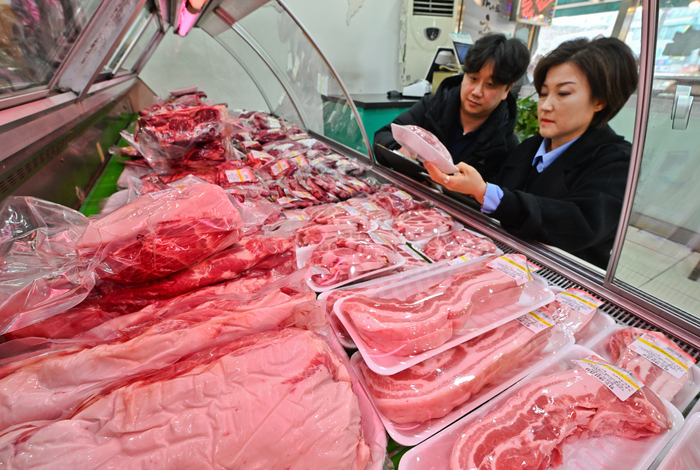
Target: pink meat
[389, 199]
[430, 138]
[457, 243]
[661, 382]
[216, 409]
[52, 386]
[569, 319]
[428, 319]
[154, 236]
[434, 387]
[530, 429]
[420, 224]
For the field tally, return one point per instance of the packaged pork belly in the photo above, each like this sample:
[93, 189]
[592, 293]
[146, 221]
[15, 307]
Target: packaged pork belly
[604, 432]
[654, 359]
[573, 310]
[422, 224]
[400, 325]
[456, 243]
[417, 402]
[160, 233]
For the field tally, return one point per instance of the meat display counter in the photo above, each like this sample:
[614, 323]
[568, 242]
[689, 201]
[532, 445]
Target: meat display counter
[61, 121]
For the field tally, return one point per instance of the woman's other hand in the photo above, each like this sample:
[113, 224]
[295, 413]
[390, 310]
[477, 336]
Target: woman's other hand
[467, 181]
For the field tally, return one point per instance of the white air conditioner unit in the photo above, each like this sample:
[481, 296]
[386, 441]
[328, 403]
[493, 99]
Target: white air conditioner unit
[428, 26]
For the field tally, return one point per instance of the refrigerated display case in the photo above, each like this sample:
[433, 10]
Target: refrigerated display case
[73, 77]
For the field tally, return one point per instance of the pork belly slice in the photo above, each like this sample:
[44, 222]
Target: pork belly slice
[434, 387]
[53, 386]
[428, 319]
[528, 431]
[661, 382]
[280, 400]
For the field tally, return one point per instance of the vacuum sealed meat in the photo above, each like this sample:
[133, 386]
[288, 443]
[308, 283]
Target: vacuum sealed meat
[427, 319]
[167, 420]
[653, 358]
[394, 200]
[573, 309]
[160, 233]
[434, 387]
[422, 224]
[530, 429]
[457, 243]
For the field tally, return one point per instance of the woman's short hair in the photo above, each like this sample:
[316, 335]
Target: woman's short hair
[510, 58]
[607, 63]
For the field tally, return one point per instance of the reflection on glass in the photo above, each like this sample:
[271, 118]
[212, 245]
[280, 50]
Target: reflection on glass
[131, 35]
[35, 36]
[140, 46]
[660, 254]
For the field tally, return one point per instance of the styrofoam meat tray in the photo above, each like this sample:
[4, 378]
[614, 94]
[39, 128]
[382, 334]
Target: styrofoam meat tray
[372, 428]
[420, 244]
[423, 150]
[685, 453]
[599, 323]
[682, 398]
[600, 453]
[534, 295]
[339, 328]
[410, 434]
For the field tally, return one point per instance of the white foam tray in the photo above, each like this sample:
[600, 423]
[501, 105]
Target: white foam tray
[595, 327]
[686, 394]
[685, 452]
[601, 453]
[534, 296]
[410, 434]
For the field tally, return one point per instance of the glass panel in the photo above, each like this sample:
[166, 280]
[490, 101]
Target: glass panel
[140, 46]
[131, 35]
[35, 37]
[660, 254]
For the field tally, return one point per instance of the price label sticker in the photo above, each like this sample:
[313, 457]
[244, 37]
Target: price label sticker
[333, 156]
[308, 142]
[282, 147]
[283, 201]
[406, 249]
[243, 175]
[161, 193]
[273, 123]
[463, 259]
[378, 239]
[302, 195]
[512, 265]
[300, 159]
[580, 301]
[279, 166]
[403, 195]
[658, 349]
[369, 206]
[350, 210]
[537, 320]
[621, 382]
[384, 225]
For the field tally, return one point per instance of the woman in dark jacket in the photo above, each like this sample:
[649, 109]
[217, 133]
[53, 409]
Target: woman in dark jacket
[565, 187]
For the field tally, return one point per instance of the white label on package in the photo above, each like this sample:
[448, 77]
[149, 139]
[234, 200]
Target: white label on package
[514, 266]
[402, 194]
[369, 206]
[621, 382]
[463, 259]
[308, 142]
[661, 352]
[408, 250]
[383, 225]
[300, 159]
[302, 194]
[333, 156]
[349, 209]
[274, 123]
[579, 300]
[279, 166]
[299, 136]
[282, 147]
[188, 180]
[536, 321]
[378, 239]
[284, 200]
[293, 216]
[161, 193]
[240, 176]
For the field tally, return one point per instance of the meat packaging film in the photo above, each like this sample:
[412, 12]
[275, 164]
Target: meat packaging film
[600, 453]
[533, 296]
[684, 454]
[684, 396]
[410, 434]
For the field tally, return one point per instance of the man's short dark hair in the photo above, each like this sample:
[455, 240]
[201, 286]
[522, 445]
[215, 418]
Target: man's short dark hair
[509, 57]
[609, 67]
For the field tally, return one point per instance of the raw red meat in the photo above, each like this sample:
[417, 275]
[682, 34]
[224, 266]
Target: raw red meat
[428, 319]
[529, 430]
[256, 159]
[421, 224]
[433, 388]
[184, 126]
[457, 243]
[160, 233]
[394, 201]
[661, 382]
[215, 409]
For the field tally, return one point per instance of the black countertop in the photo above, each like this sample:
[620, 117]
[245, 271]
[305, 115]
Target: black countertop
[375, 101]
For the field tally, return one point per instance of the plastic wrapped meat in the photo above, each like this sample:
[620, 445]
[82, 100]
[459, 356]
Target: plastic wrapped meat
[422, 224]
[344, 259]
[369, 210]
[656, 378]
[160, 233]
[52, 386]
[395, 201]
[529, 430]
[457, 243]
[573, 310]
[42, 274]
[434, 387]
[256, 159]
[429, 318]
[212, 410]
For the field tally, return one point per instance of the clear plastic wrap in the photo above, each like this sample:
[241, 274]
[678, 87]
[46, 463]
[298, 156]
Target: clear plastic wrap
[685, 453]
[307, 399]
[424, 146]
[422, 224]
[161, 233]
[457, 243]
[566, 413]
[395, 201]
[42, 273]
[573, 310]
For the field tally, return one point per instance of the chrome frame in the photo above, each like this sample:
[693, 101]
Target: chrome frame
[128, 50]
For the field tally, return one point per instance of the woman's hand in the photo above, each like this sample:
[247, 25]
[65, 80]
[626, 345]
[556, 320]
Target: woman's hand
[467, 181]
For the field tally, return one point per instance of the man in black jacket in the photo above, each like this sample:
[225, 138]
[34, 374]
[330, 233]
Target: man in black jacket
[473, 114]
